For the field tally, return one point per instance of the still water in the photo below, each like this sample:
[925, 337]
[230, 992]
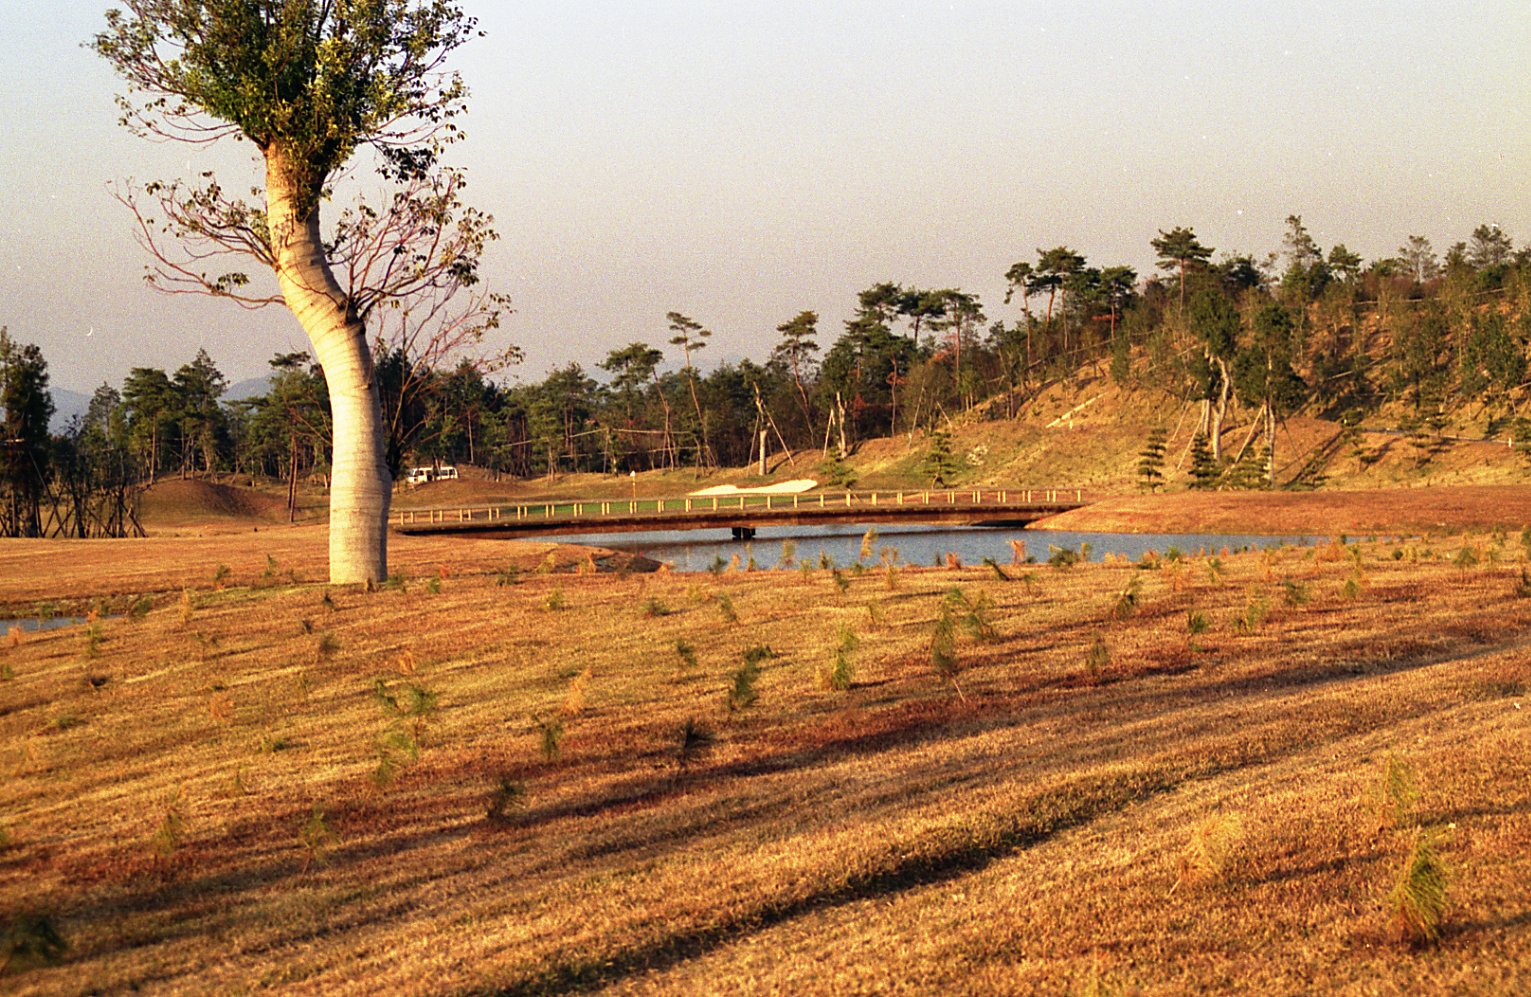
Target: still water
[783, 547]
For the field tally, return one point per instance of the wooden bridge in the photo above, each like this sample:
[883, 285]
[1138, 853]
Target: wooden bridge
[743, 514]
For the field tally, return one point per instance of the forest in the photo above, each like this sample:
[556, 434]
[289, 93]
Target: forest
[1426, 340]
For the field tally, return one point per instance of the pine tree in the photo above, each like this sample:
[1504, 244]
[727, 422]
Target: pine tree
[1204, 468]
[1151, 460]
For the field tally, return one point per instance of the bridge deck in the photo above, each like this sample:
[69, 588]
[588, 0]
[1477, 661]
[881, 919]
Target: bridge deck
[989, 506]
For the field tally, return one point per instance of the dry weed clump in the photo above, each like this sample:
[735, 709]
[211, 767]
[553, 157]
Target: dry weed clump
[1209, 854]
[578, 696]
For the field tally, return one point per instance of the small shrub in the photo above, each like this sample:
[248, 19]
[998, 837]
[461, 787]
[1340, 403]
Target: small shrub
[826, 563]
[140, 607]
[1196, 624]
[1522, 589]
[29, 940]
[172, 826]
[1466, 558]
[805, 568]
[1350, 590]
[92, 642]
[718, 565]
[653, 607]
[508, 796]
[1062, 557]
[221, 576]
[1416, 904]
[1098, 658]
[1255, 612]
[693, 741]
[317, 838]
[741, 693]
[550, 736]
[686, 652]
[839, 673]
[554, 600]
[397, 582]
[433, 586]
[188, 606]
[13, 636]
[327, 602]
[506, 577]
[326, 645]
[726, 608]
[760, 652]
[1207, 855]
[788, 554]
[943, 647]
[1397, 792]
[575, 699]
[841, 582]
[1125, 606]
[976, 614]
[1294, 593]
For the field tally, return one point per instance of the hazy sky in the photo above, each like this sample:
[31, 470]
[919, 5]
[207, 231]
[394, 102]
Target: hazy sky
[741, 161]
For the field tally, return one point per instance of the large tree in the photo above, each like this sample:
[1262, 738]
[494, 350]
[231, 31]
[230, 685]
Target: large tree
[1180, 250]
[25, 408]
[310, 83]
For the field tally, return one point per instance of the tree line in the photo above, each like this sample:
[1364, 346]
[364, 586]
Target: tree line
[1302, 328]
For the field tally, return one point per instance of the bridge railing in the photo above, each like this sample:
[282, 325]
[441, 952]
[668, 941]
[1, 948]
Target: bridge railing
[586, 509]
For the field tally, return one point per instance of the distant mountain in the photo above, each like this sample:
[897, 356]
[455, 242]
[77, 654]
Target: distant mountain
[252, 387]
[66, 405]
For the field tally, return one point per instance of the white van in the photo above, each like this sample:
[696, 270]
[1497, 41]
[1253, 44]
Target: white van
[424, 475]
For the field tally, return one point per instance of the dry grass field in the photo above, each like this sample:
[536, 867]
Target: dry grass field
[1197, 776]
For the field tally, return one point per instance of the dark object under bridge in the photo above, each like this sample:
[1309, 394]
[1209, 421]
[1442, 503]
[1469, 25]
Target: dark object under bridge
[744, 514]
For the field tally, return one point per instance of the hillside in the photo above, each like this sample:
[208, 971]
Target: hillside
[480, 781]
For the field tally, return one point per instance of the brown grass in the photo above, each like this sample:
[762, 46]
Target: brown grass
[890, 836]
[1379, 511]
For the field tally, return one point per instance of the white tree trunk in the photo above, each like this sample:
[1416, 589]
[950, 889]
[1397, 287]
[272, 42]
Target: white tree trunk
[360, 485]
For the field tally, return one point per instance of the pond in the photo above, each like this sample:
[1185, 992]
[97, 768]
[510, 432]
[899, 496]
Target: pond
[32, 624]
[784, 547]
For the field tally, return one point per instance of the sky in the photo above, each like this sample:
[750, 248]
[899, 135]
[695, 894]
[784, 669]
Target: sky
[741, 161]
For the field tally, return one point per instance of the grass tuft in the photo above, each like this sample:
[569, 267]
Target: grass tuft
[686, 652]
